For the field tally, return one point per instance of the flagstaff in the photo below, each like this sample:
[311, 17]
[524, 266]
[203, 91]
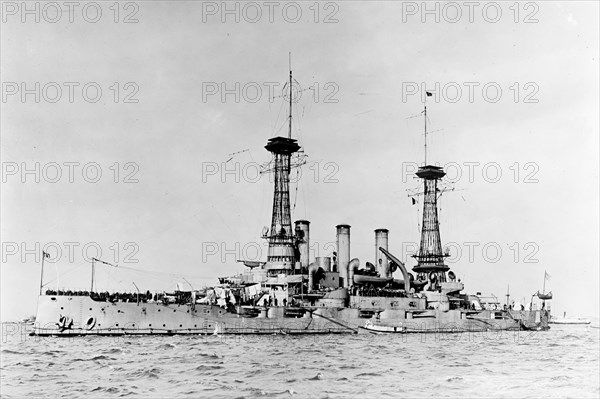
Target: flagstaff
[44, 255]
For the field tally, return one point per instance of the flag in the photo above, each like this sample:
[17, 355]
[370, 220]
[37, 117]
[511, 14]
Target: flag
[413, 201]
[429, 94]
[546, 276]
[46, 254]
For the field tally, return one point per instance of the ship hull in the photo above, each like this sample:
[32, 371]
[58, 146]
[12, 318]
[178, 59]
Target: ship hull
[80, 315]
[570, 321]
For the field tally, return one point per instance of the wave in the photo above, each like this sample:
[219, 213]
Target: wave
[368, 375]
[319, 376]
[210, 355]
[203, 367]
[153, 373]
[102, 357]
[51, 353]
[184, 367]
[166, 346]
[11, 352]
[105, 389]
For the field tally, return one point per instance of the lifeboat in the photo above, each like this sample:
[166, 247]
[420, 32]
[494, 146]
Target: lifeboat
[570, 321]
[375, 280]
[383, 328]
[416, 284]
[545, 296]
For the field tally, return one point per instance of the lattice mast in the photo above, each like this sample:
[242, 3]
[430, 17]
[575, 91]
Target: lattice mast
[281, 237]
[430, 257]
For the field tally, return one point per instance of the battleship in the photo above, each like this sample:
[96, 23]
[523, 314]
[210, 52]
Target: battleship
[289, 293]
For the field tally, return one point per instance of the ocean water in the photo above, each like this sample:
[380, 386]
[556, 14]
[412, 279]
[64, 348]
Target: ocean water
[562, 362]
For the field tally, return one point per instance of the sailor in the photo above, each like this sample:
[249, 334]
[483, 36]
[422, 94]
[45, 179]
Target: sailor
[265, 303]
[284, 302]
[276, 302]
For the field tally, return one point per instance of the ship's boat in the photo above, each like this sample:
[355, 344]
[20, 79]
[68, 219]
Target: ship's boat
[416, 284]
[534, 327]
[545, 297]
[570, 321]
[252, 264]
[374, 280]
[378, 328]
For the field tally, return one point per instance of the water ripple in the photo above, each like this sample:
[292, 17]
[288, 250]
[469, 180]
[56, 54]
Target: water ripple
[557, 363]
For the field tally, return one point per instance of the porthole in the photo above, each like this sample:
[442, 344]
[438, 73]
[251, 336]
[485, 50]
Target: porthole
[149, 325]
[61, 308]
[117, 325]
[90, 308]
[164, 325]
[181, 325]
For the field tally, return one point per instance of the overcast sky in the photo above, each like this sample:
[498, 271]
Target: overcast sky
[514, 117]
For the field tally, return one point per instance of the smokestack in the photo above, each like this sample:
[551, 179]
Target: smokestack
[303, 247]
[324, 263]
[381, 261]
[312, 269]
[343, 252]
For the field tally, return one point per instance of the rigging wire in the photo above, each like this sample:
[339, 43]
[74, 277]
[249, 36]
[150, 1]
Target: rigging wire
[76, 267]
[114, 268]
[277, 119]
[296, 190]
[156, 274]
